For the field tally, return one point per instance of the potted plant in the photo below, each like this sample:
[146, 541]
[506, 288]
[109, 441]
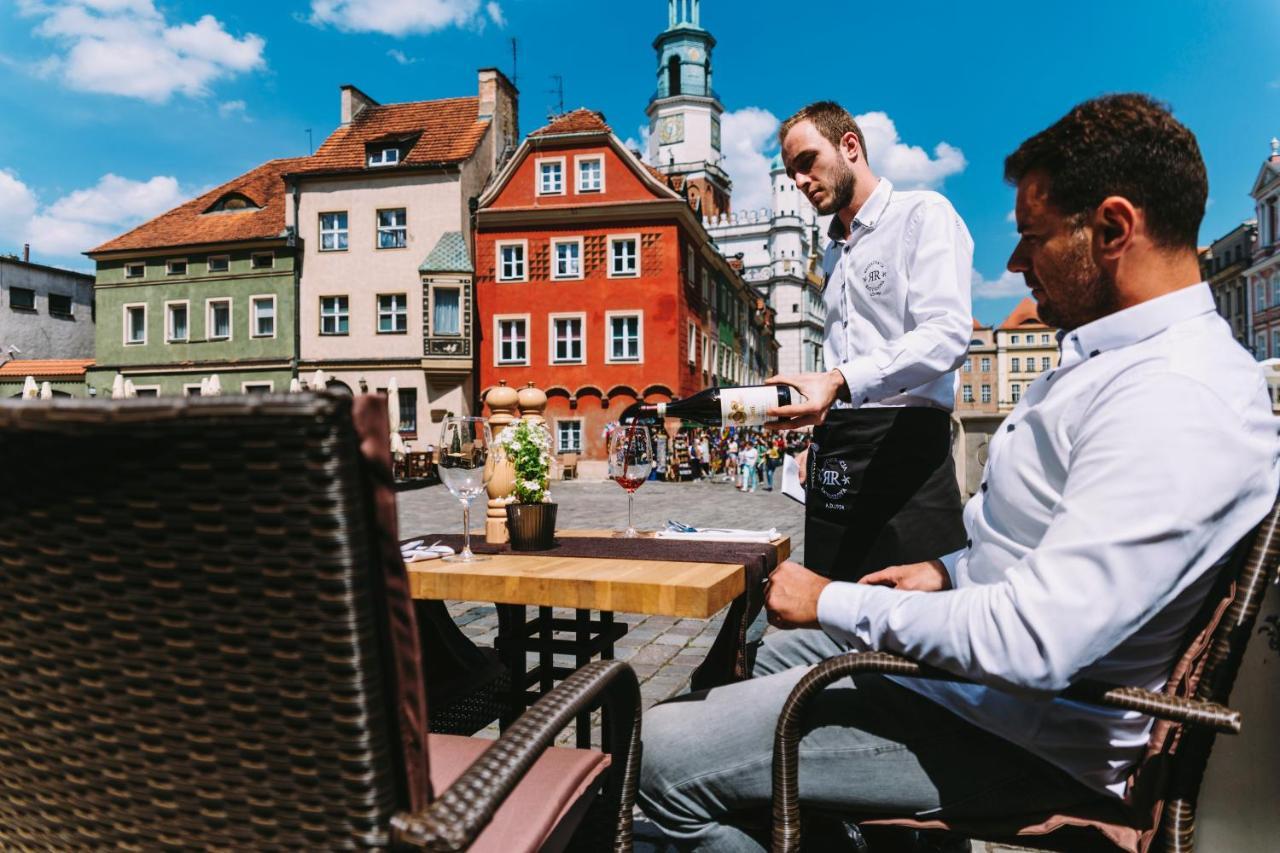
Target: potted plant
[531, 516]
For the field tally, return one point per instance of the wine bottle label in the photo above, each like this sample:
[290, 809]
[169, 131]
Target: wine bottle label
[747, 406]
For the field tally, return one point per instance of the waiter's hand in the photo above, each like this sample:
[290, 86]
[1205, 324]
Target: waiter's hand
[820, 391]
[930, 576]
[791, 596]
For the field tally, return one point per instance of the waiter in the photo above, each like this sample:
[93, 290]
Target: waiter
[880, 482]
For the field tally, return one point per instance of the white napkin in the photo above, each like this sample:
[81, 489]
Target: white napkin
[414, 552]
[723, 534]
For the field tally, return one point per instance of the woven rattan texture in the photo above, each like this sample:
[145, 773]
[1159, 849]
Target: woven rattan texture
[188, 656]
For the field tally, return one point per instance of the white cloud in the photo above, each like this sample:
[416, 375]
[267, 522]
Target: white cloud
[127, 47]
[749, 140]
[83, 218]
[908, 166]
[403, 17]
[641, 144]
[227, 109]
[1006, 285]
[400, 58]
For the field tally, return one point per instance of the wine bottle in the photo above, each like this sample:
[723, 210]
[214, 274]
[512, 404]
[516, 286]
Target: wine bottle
[745, 406]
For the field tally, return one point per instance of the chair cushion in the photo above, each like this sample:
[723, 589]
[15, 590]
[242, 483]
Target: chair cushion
[558, 781]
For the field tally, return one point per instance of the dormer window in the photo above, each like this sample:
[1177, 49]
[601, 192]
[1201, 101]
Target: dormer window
[232, 202]
[384, 156]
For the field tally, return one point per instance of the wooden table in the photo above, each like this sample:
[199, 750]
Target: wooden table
[693, 590]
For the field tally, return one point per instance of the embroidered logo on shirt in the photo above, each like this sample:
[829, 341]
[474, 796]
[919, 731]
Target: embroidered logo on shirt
[833, 478]
[875, 277]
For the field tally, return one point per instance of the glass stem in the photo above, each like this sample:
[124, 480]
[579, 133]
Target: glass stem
[466, 530]
[630, 500]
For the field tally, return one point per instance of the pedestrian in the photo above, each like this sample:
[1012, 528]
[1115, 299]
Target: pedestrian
[773, 458]
[881, 487]
[750, 457]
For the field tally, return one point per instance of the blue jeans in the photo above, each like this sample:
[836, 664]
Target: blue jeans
[869, 745]
[749, 480]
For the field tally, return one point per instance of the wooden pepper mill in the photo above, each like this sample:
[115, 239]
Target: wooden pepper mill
[502, 402]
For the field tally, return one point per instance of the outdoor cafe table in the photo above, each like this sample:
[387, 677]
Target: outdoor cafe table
[694, 589]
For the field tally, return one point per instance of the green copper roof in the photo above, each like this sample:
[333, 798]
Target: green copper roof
[449, 255]
[775, 165]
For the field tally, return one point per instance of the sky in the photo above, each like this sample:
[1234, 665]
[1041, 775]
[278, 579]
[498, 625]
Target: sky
[113, 111]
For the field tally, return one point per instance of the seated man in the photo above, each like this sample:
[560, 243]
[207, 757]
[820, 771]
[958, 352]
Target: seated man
[1112, 493]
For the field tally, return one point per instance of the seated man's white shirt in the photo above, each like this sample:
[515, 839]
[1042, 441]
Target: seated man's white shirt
[1111, 493]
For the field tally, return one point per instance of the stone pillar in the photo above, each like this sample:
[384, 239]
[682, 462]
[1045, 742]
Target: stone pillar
[502, 407]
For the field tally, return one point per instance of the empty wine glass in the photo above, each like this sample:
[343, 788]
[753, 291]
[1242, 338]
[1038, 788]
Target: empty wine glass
[630, 461]
[465, 469]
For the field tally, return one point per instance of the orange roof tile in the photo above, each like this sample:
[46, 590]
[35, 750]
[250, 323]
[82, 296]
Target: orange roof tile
[1023, 315]
[46, 368]
[581, 120]
[190, 223]
[448, 130]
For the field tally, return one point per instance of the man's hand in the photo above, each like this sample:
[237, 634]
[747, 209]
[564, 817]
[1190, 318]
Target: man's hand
[820, 391]
[930, 576]
[791, 596]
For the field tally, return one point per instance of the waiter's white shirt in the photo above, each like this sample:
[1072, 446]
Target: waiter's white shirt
[1111, 492]
[899, 319]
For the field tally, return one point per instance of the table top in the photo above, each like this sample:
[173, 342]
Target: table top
[656, 587]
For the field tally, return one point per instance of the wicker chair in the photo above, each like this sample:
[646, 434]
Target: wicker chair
[207, 640]
[1158, 811]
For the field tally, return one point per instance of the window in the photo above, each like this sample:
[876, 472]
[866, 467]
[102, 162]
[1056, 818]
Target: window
[1044, 363]
[623, 258]
[1260, 294]
[263, 316]
[1015, 364]
[1013, 339]
[135, 270]
[986, 393]
[551, 177]
[566, 339]
[262, 260]
[333, 231]
[706, 285]
[511, 261]
[693, 344]
[384, 157]
[986, 364]
[218, 319]
[219, 263]
[624, 338]
[590, 174]
[408, 410]
[393, 313]
[690, 266]
[59, 305]
[333, 315]
[967, 393]
[135, 324]
[1044, 339]
[1275, 290]
[968, 365]
[257, 387]
[176, 321]
[176, 267]
[568, 258]
[513, 340]
[191, 390]
[1275, 342]
[1031, 364]
[392, 228]
[446, 314]
[1015, 391]
[568, 436]
[706, 354]
[147, 390]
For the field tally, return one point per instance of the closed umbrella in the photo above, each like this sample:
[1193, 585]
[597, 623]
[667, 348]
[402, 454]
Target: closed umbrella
[117, 387]
[295, 386]
[215, 386]
[46, 391]
[318, 380]
[29, 388]
[129, 391]
[393, 415]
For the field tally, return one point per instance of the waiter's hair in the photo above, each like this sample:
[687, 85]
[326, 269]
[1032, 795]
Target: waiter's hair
[1126, 145]
[832, 121]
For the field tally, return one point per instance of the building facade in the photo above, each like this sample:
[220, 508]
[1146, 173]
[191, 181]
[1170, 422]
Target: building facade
[1025, 348]
[384, 199]
[45, 312]
[1223, 264]
[205, 288]
[596, 281]
[979, 385]
[1263, 272]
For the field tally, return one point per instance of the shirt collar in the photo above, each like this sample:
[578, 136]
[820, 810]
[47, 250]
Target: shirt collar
[868, 215]
[1137, 323]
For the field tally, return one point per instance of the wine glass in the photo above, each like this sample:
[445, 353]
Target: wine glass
[465, 468]
[630, 461]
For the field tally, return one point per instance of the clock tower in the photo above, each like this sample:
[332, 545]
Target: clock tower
[684, 113]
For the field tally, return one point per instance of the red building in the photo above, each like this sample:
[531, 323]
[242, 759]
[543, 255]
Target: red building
[597, 282]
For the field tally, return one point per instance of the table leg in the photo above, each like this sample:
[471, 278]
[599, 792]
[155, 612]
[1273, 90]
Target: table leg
[583, 657]
[512, 630]
[546, 655]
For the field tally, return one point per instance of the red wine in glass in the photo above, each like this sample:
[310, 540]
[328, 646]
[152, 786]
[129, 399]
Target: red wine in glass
[630, 461]
[630, 483]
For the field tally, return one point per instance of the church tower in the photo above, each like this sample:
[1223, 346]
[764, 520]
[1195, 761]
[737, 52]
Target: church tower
[684, 113]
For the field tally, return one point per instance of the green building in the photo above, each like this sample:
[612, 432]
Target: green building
[208, 287]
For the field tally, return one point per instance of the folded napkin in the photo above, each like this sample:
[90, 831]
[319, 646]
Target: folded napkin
[413, 552]
[722, 534]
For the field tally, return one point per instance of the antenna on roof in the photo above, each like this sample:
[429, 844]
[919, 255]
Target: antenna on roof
[310, 150]
[558, 91]
[515, 65]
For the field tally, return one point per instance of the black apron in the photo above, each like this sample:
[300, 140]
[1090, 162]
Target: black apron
[880, 490]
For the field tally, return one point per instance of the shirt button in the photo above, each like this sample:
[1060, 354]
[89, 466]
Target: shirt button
[968, 543]
[984, 487]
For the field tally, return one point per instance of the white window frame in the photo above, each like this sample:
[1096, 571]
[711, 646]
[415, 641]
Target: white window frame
[141, 265]
[693, 344]
[381, 159]
[538, 163]
[497, 340]
[188, 387]
[168, 321]
[498, 246]
[270, 385]
[559, 447]
[608, 337]
[578, 160]
[1015, 391]
[1014, 340]
[618, 238]
[253, 260]
[168, 266]
[377, 306]
[335, 317]
[984, 364]
[334, 232]
[706, 352]
[986, 393]
[966, 393]
[456, 289]
[378, 228]
[208, 263]
[556, 242]
[581, 317]
[1046, 363]
[146, 388]
[253, 316]
[1015, 364]
[208, 318]
[125, 316]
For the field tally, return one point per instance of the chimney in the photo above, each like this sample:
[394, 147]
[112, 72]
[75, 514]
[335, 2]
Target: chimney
[353, 103]
[26, 253]
[499, 102]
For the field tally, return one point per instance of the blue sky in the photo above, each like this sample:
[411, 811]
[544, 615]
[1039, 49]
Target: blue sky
[114, 110]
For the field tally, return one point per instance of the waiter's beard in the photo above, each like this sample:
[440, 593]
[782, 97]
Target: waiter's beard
[842, 186]
[1082, 292]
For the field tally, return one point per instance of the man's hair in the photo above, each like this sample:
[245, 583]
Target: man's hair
[832, 121]
[1126, 145]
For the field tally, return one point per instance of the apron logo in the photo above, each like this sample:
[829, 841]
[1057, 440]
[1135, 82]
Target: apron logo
[833, 479]
[875, 277]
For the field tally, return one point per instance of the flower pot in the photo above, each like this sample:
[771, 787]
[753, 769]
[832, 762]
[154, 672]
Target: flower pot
[532, 527]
